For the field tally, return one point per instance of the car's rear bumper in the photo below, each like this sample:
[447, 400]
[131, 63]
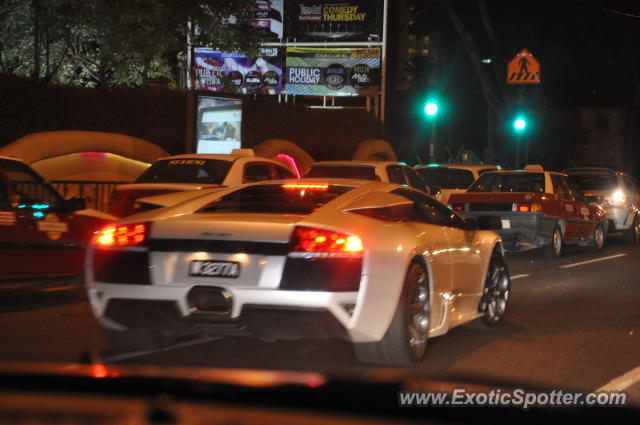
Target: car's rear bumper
[260, 321]
[620, 218]
[264, 314]
[521, 231]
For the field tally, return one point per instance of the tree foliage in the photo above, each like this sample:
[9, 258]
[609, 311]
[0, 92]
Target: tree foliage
[119, 43]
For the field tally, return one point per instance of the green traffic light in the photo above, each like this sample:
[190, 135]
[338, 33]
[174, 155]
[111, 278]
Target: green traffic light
[431, 108]
[520, 124]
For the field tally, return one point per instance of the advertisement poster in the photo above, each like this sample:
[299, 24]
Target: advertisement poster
[268, 17]
[235, 73]
[219, 125]
[332, 72]
[334, 20]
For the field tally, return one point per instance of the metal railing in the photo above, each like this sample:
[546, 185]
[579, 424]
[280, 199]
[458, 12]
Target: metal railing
[95, 192]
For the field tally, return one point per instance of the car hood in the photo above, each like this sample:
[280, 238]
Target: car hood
[349, 390]
[403, 379]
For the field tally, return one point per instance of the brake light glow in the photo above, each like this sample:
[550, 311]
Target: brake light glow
[325, 243]
[458, 207]
[124, 235]
[305, 186]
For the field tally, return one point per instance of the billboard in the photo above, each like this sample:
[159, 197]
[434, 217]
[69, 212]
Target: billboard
[332, 72]
[236, 73]
[337, 20]
[267, 17]
[219, 126]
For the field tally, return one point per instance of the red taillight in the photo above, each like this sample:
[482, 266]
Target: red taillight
[458, 207]
[123, 235]
[325, 243]
[535, 207]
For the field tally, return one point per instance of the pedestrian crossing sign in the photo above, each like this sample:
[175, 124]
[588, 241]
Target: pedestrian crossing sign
[523, 69]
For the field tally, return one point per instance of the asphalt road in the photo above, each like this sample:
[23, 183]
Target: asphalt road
[569, 326]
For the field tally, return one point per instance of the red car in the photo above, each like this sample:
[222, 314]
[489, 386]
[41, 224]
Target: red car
[537, 208]
[41, 234]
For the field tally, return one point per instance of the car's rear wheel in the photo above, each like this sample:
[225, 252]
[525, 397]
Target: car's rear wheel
[599, 237]
[497, 290]
[406, 339]
[632, 235]
[555, 247]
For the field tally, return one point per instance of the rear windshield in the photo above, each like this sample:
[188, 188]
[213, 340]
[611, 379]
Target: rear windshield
[587, 182]
[446, 178]
[186, 170]
[509, 182]
[293, 198]
[342, 172]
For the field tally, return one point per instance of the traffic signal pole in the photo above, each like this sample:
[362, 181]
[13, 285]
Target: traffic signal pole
[432, 143]
[431, 110]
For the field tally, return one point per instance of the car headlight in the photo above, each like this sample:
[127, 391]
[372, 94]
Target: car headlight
[618, 197]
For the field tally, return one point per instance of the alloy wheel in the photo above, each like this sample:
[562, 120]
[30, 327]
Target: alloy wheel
[557, 242]
[418, 311]
[497, 292]
[599, 237]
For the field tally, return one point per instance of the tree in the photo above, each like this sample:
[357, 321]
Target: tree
[116, 43]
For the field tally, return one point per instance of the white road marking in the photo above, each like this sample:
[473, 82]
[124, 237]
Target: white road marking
[520, 276]
[595, 260]
[622, 382]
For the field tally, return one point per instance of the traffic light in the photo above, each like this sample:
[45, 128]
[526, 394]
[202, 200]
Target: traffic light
[519, 124]
[431, 108]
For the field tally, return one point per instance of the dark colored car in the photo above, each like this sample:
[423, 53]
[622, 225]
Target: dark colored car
[41, 234]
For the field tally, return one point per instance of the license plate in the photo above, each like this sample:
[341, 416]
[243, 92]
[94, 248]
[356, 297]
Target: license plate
[211, 268]
[506, 224]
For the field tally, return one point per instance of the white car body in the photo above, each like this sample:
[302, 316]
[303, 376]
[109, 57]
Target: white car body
[267, 281]
[123, 198]
[474, 172]
[621, 200]
[382, 171]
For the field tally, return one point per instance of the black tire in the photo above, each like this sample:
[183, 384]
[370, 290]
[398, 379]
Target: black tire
[497, 291]
[599, 237]
[555, 247]
[135, 339]
[398, 347]
[632, 235]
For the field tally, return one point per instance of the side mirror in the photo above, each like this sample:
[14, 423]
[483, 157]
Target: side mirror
[469, 223]
[489, 222]
[74, 204]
